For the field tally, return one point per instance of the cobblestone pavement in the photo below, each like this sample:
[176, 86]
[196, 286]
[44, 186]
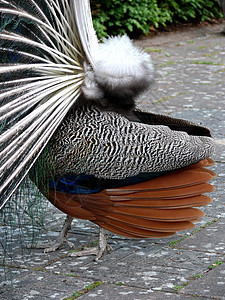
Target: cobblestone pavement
[190, 70]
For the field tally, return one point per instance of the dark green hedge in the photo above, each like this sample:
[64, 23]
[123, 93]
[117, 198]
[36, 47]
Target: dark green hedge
[112, 17]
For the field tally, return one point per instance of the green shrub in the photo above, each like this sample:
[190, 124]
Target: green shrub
[112, 17]
[199, 10]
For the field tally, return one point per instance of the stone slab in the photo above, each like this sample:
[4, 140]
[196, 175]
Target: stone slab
[43, 285]
[208, 239]
[211, 284]
[109, 292]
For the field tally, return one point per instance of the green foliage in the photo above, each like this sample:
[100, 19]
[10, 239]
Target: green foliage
[88, 288]
[201, 10]
[119, 283]
[215, 264]
[112, 17]
[178, 287]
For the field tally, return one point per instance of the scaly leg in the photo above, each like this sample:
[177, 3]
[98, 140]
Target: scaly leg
[98, 250]
[54, 245]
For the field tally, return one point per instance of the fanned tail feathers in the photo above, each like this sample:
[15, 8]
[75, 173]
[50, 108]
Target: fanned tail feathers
[155, 208]
[41, 69]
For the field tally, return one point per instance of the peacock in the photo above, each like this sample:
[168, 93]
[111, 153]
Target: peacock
[69, 122]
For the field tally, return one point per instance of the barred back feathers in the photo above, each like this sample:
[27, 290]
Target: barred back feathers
[108, 145]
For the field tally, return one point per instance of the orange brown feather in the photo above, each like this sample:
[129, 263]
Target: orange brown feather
[154, 208]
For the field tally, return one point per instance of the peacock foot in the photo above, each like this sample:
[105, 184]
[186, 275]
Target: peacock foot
[98, 250]
[54, 245]
[61, 240]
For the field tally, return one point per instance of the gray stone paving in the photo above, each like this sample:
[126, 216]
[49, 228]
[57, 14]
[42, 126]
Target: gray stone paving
[189, 84]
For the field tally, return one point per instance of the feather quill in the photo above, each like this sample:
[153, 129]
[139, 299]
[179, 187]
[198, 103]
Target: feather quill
[86, 30]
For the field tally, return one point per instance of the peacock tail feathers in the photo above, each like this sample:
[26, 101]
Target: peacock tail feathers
[43, 46]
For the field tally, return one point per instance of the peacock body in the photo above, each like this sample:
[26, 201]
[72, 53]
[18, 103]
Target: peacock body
[120, 174]
[69, 121]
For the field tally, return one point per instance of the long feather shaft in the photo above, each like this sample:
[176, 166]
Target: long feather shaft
[52, 31]
[62, 22]
[31, 99]
[44, 84]
[38, 67]
[54, 109]
[25, 54]
[86, 30]
[24, 80]
[38, 147]
[38, 111]
[41, 12]
[56, 54]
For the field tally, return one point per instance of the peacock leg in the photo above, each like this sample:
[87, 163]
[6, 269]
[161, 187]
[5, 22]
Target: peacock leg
[98, 250]
[54, 245]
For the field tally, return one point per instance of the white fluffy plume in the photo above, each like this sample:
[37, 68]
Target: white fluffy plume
[121, 69]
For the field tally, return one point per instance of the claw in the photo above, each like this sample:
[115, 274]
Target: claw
[61, 240]
[97, 251]
[53, 246]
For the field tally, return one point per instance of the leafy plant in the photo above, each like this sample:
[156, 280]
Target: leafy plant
[112, 17]
[215, 264]
[88, 288]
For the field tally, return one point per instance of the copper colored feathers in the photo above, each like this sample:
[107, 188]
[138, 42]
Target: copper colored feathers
[155, 208]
